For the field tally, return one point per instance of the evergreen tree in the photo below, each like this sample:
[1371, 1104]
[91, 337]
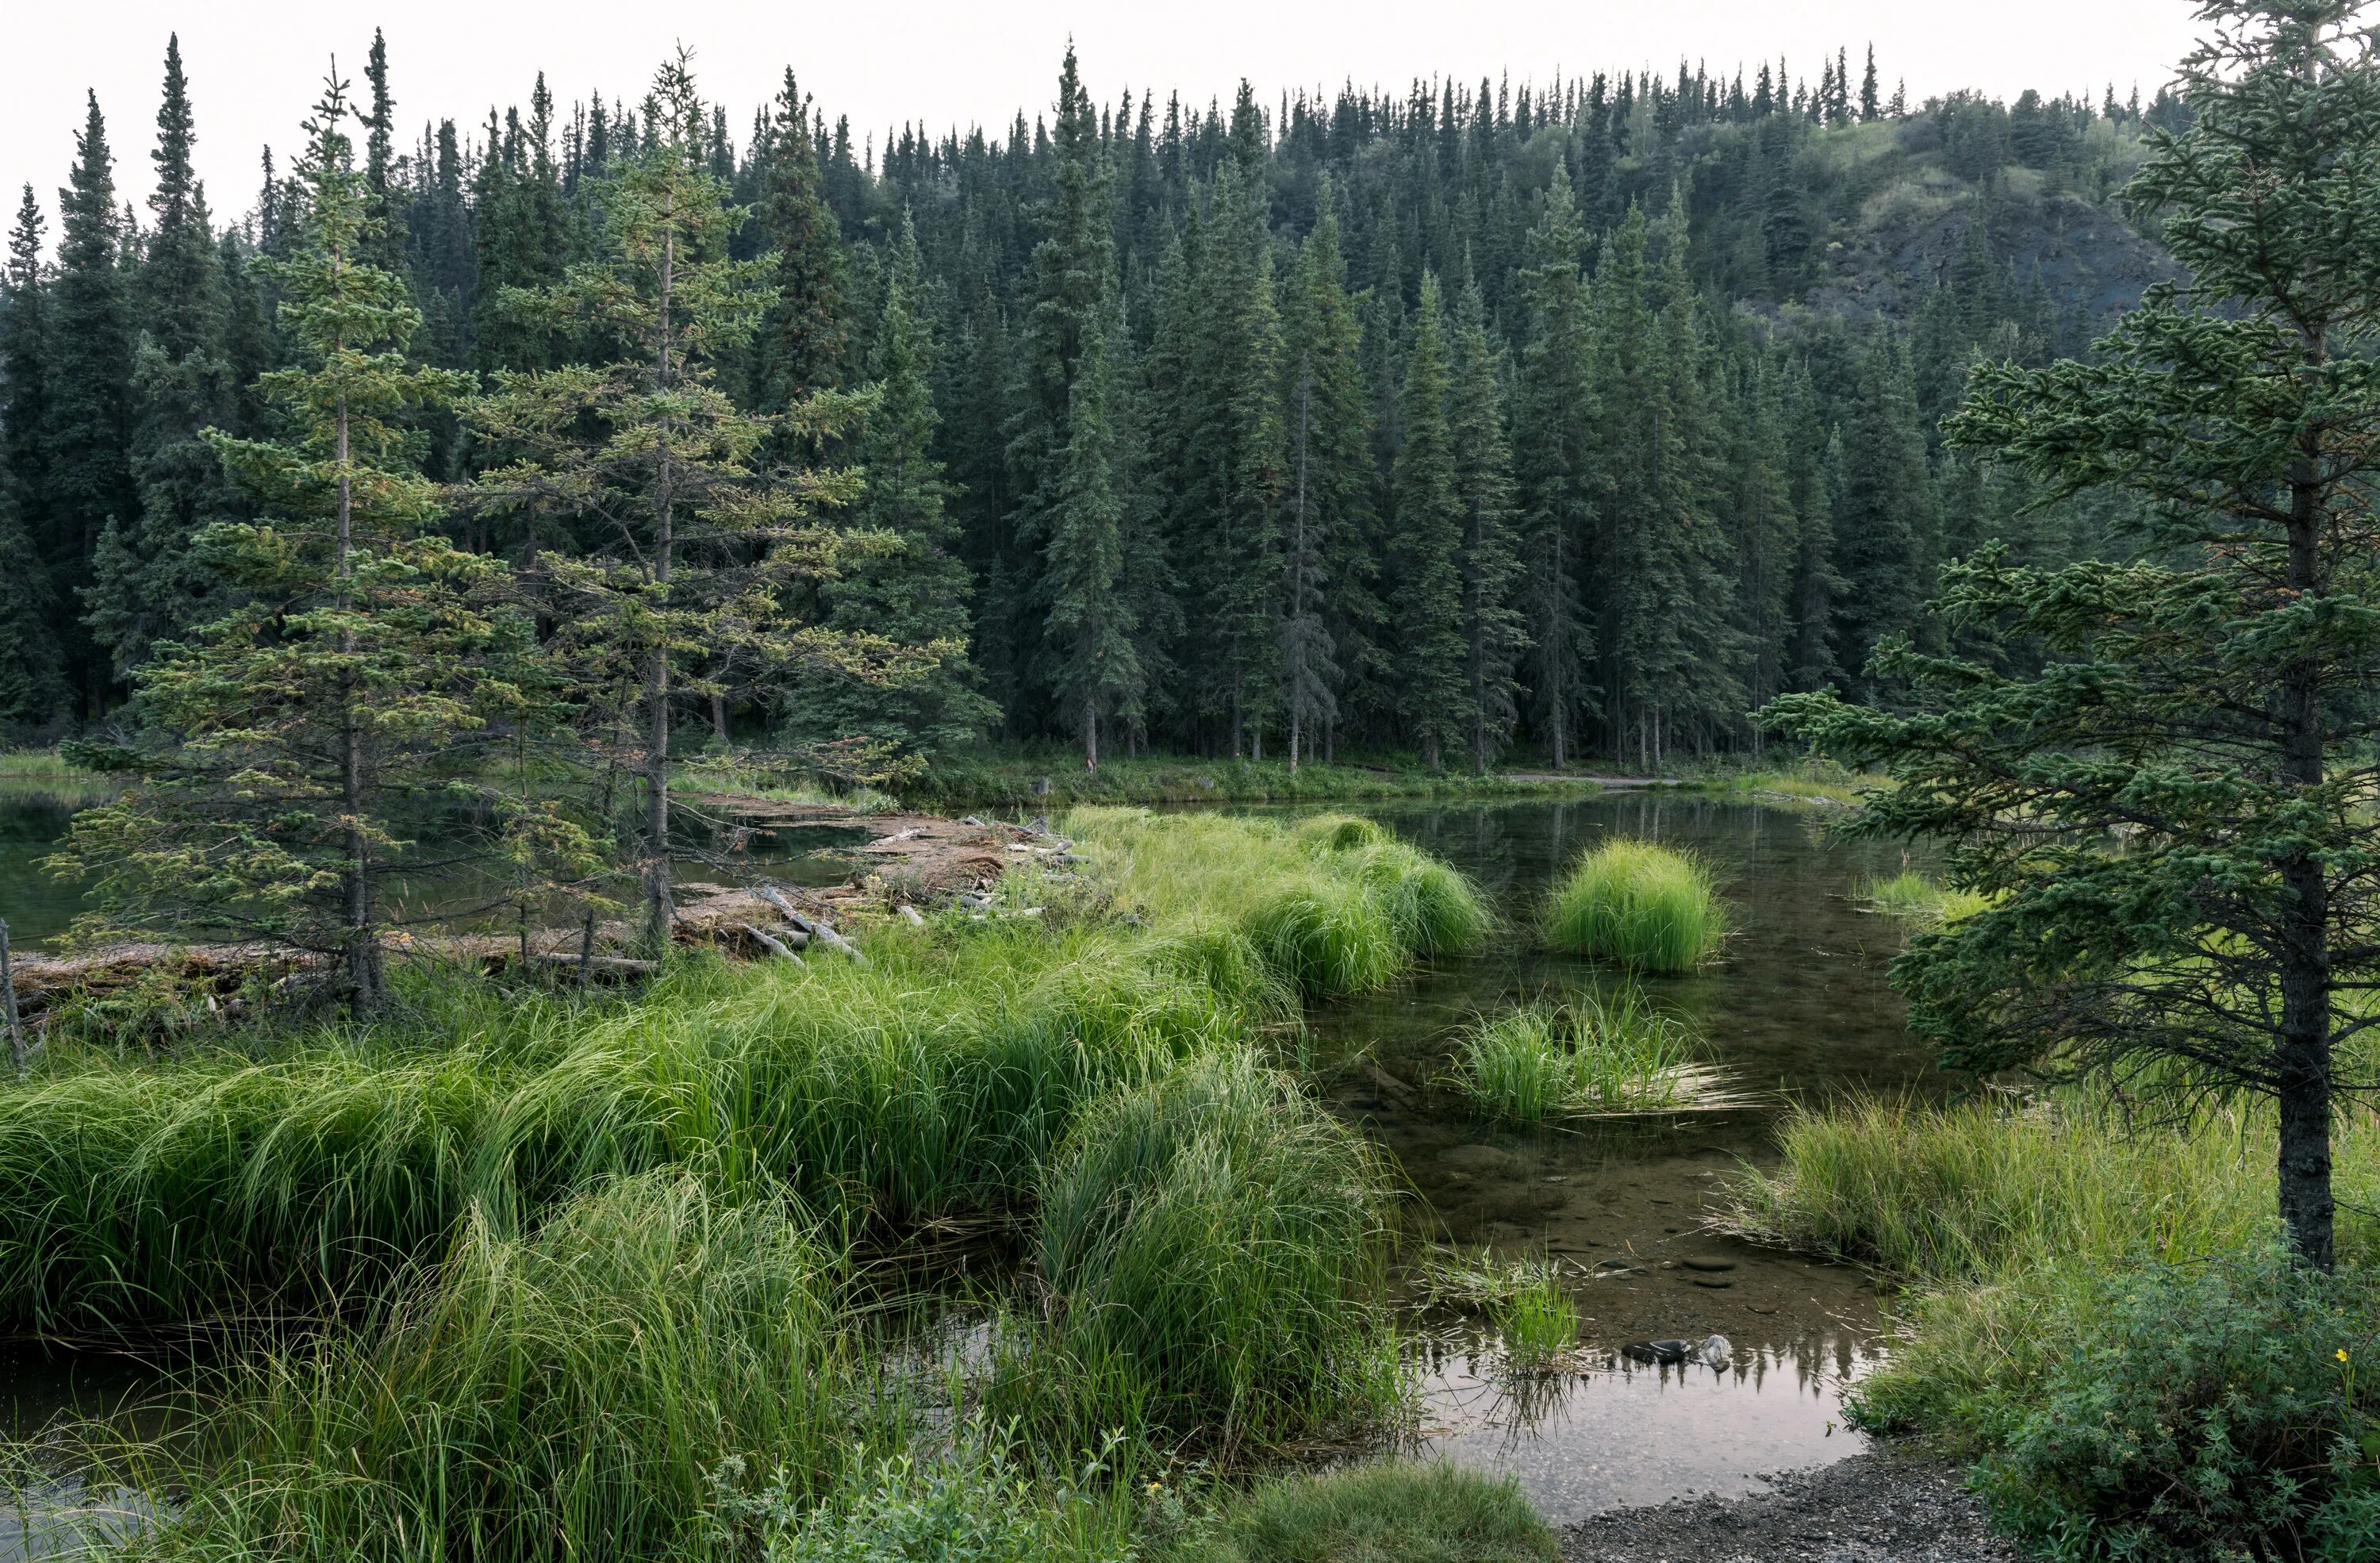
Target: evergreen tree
[1330, 608]
[1883, 511]
[388, 197]
[917, 593]
[802, 343]
[1814, 456]
[1767, 534]
[1555, 435]
[148, 585]
[1425, 548]
[699, 557]
[1095, 671]
[2167, 821]
[1495, 634]
[86, 391]
[32, 685]
[24, 416]
[358, 660]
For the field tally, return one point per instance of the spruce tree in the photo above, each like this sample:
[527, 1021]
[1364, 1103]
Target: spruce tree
[2170, 822]
[1555, 435]
[1425, 548]
[1884, 518]
[802, 343]
[148, 585]
[87, 397]
[358, 658]
[24, 467]
[32, 684]
[700, 561]
[1094, 670]
[1495, 632]
[1767, 532]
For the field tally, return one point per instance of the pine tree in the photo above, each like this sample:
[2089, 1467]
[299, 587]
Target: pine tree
[388, 197]
[1555, 435]
[1095, 671]
[917, 594]
[1495, 632]
[87, 410]
[1868, 106]
[1330, 608]
[36, 671]
[700, 559]
[1766, 533]
[802, 343]
[359, 662]
[148, 585]
[32, 685]
[1814, 455]
[1884, 511]
[2167, 824]
[1425, 547]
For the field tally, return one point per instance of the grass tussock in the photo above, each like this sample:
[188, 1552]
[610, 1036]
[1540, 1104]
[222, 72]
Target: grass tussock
[1539, 1325]
[1330, 906]
[1607, 1053]
[2005, 1223]
[568, 1395]
[1916, 899]
[1393, 1511]
[1639, 905]
[1212, 1249]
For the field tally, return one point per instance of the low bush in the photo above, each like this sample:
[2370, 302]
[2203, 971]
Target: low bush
[1640, 905]
[2211, 1410]
[1393, 1511]
[1212, 1247]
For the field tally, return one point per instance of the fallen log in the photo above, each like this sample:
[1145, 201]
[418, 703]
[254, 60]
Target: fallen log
[774, 946]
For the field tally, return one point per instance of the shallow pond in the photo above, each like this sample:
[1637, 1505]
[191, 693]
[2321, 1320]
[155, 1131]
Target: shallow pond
[1797, 1007]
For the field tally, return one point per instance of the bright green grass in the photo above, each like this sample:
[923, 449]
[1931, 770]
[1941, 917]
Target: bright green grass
[2003, 1222]
[1604, 1053]
[569, 1395]
[1912, 895]
[1015, 783]
[1539, 1324]
[1212, 1249]
[1638, 904]
[1393, 1511]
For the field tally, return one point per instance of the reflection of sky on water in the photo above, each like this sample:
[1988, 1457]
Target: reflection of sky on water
[1609, 1434]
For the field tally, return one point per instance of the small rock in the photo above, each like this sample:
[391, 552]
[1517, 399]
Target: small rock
[1710, 1263]
[1669, 1353]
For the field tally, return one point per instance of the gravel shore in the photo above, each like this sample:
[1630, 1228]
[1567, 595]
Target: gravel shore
[1879, 1507]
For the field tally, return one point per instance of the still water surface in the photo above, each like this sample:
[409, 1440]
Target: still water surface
[1798, 1008]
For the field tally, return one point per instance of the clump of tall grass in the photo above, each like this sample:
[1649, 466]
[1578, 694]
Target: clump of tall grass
[1912, 896]
[1642, 905]
[1332, 906]
[566, 1395]
[1604, 1053]
[2005, 1223]
[1539, 1325]
[1213, 1250]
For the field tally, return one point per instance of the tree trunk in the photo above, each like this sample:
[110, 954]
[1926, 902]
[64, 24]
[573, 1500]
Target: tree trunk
[658, 909]
[361, 938]
[2301, 1052]
[1091, 734]
[719, 717]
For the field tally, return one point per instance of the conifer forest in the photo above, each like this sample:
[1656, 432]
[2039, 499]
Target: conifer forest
[1397, 824]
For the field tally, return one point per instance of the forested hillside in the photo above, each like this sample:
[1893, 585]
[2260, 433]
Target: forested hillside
[1579, 415]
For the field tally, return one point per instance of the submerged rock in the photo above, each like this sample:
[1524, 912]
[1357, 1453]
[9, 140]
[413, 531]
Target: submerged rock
[1711, 1350]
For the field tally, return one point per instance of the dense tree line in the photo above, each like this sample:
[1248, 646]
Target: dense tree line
[1444, 423]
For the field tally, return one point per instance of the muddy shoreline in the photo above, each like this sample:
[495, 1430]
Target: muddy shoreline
[1888, 1505]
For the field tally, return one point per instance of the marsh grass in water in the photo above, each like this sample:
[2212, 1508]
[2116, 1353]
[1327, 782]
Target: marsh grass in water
[1912, 896]
[1603, 1053]
[1392, 1511]
[1640, 905]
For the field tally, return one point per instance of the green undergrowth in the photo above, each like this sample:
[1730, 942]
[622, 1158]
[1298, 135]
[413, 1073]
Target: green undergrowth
[1639, 905]
[1915, 898]
[1809, 782]
[1389, 1512]
[1603, 1053]
[2052, 1248]
[1019, 782]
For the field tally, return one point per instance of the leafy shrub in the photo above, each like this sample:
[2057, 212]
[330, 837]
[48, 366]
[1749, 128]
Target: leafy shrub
[2211, 1411]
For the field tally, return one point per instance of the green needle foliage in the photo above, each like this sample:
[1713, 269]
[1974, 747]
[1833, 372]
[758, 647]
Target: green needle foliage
[363, 658]
[1641, 904]
[2173, 816]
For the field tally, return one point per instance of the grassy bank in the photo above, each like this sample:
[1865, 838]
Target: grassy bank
[2094, 1313]
[1019, 782]
[602, 1281]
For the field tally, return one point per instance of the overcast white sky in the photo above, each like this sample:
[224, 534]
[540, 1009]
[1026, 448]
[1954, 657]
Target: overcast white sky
[254, 65]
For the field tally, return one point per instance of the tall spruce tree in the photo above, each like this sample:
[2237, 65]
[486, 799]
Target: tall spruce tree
[147, 583]
[87, 404]
[1094, 671]
[358, 658]
[33, 668]
[700, 560]
[803, 341]
[1884, 518]
[1555, 435]
[1425, 547]
[2170, 820]
[1495, 634]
